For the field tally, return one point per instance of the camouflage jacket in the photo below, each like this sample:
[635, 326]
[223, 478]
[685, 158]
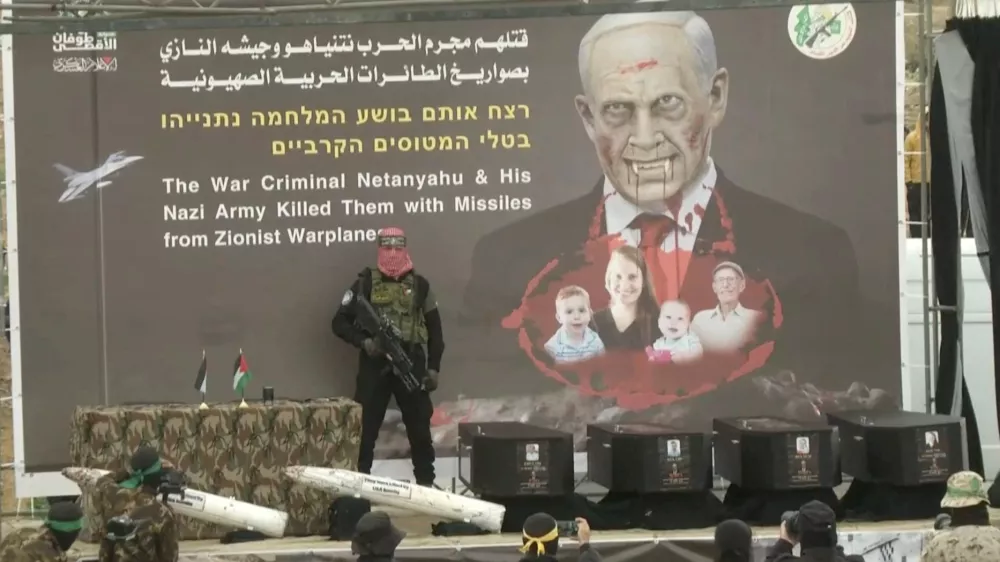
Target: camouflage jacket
[156, 538]
[37, 546]
[113, 500]
[972, 543]
[17, 537]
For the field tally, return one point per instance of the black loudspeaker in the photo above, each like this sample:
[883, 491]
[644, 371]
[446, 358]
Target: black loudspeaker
[901, 448]
[510, 459]
[648, 458]
[776, 454]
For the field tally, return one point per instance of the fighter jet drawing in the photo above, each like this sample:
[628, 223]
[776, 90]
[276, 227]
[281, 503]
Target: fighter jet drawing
[79, 182]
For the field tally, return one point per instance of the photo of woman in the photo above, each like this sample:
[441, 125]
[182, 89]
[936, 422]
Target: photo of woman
[629, 319]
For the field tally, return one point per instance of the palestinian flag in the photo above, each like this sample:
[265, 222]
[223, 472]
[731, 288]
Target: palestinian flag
[201, 382]
[241, 374]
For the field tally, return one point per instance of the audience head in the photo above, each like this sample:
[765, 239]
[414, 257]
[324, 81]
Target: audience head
[817, 525]
[733, 540]
[64, 521]
[966, 500]
[540, 535]
[965, 489]
[146, 469]
[375, 535]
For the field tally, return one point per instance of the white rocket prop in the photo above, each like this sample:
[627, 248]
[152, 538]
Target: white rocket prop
[206, 507]
[387, 491]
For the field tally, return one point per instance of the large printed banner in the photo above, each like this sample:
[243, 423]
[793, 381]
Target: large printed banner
[659, 216]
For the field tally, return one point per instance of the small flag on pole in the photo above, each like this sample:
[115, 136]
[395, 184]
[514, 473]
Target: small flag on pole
[201, 383]
[241, 376]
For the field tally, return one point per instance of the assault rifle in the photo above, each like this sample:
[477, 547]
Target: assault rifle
[389, 340]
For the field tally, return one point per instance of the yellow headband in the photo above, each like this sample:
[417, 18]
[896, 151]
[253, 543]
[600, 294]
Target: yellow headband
[539, 542]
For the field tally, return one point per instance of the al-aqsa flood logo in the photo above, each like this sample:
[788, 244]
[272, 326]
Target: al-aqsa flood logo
[822, 31]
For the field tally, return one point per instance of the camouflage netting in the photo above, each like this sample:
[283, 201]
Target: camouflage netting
[226, 450]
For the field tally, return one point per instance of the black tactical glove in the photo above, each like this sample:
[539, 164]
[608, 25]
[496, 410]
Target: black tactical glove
[431, 382]
[371, 347]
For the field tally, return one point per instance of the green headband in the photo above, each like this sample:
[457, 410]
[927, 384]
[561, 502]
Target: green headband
[139, 475]
[64, 526]
[392, 241]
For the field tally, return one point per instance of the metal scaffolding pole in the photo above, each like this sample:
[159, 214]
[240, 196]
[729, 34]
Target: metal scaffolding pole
[925, 25]
[927, 28]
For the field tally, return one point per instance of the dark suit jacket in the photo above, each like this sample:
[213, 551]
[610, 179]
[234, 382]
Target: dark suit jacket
[810, 263]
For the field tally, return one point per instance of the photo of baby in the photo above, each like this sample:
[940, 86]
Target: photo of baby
[677, 344]
[575, 340]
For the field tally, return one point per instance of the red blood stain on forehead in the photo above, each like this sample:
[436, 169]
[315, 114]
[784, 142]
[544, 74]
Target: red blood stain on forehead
[639, 66]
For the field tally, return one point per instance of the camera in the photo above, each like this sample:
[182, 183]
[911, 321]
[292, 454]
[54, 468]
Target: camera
[567, 528]
[121, 528]
[791, 521]
[942, 522]
[172, 482]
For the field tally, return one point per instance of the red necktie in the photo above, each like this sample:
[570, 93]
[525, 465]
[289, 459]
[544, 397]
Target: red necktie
[653, 231]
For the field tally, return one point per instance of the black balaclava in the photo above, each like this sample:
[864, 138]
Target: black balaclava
[540, 535]
[733, 540]
[64, 521]
[978, 514]
[147, 470]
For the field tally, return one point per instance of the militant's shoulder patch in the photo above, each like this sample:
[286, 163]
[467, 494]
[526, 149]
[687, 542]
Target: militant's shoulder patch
[348, 297]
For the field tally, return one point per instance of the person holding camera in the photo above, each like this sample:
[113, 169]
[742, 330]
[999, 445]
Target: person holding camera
[48, 543]
[540, 538]
[814, 528]
[138, 527]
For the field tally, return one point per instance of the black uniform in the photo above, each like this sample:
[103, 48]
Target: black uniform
[411, 306]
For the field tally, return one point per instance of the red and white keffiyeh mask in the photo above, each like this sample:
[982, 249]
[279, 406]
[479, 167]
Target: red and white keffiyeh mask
[393, 258]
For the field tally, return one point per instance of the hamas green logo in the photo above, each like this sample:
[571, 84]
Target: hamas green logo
[822, 31]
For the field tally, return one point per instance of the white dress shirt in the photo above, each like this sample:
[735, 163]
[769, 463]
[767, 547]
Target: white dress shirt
[619, 213]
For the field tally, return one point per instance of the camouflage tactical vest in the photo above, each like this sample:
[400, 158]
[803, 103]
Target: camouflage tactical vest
[398, 301]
